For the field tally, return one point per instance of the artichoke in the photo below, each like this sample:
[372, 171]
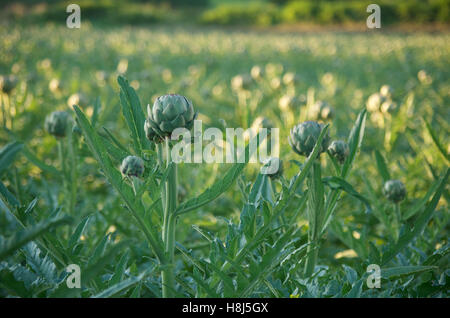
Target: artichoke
[286, 102]
[262, 122]
[78, 99]
[256, 72]
[168, 113]
[374, 102]
[132, 166]
[273, 168]
[321, 110]
[57, 123]
[7, 83]
[304, 136]
[388, 107]
[151, 134]
[289, 78]
[241, 82]
[339, 149]
[394, 190]
[386, 91]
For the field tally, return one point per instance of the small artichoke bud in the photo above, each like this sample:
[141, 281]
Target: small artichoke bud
[57, 123]
[78, 99]
[7, 83]
[388, 107]
[241, 82]
[304, 136]
[386, 91]
[170, 112]
[374, 102]
[339, 149]
[275, 83]
[150, 133]
[394, 190]
[132, 166]
[262, 122]
[55, 85]
[321, 110]
[289, 78]
[286, 102]
[256, 72]
[273, 168]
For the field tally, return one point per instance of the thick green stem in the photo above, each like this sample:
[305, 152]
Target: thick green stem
[168, 274]
[315, 216]
[73, 172]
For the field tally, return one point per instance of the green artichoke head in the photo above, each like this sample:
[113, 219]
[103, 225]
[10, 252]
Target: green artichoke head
[273, 167]
[339, 149]
[168, 113]
[151, 134]
[321, 110]
[7, 83]
[304, 136]
[374, 102]
[57, 123]
[394, 190]
[132, 166]
[386, 91]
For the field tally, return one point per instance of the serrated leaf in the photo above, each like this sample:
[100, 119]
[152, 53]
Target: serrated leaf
[134, 116]
[381, 165]
[392, 272]
[9, 245]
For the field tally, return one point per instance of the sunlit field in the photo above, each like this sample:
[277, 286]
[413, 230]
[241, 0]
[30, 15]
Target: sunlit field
[311, 231]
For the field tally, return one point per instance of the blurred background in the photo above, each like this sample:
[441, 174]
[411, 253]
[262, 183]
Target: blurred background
[233, 12]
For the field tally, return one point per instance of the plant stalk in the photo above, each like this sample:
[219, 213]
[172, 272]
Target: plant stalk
[168, 233]
[315, 215]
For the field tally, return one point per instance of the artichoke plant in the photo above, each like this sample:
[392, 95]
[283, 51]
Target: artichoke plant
[274, 167]
[132, 166]
[339, 149]
[168, 113]
[321, 110]
[386, 91]
[7, 83]
[394, 190]
[57, 123]
[303, 137]
[374, 102]
[241, 82]
[78, 99]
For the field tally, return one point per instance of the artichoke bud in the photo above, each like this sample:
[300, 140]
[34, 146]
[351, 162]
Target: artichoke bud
[388, 107]
[374, 102]
[78, 99]
[321, 110]
[394, 190]
[57, 123]
[256, 72]
[339, 149]
[290, 78]
[151, 134]
[304, 136]
[386, 91]
[241, 82]
[7, 83]
[168, 113]
[132, 166]
[286, 102]
[273, 168]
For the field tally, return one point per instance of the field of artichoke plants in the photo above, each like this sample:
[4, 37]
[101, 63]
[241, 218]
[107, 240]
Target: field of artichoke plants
[92, 203]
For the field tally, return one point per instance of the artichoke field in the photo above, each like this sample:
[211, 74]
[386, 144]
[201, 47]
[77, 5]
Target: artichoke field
[87, 177]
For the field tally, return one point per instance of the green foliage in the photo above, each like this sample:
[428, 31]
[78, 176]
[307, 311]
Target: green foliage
[239, 233]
